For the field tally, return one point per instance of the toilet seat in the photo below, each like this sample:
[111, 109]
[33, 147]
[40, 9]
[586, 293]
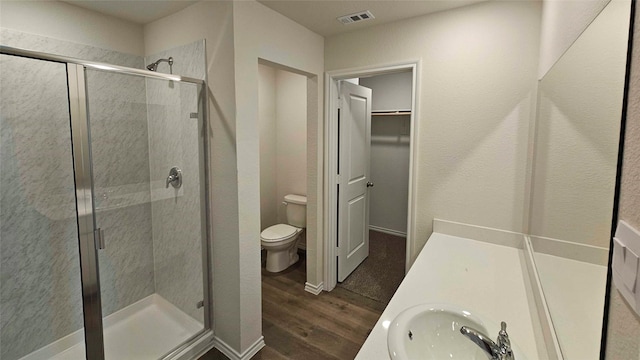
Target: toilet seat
[278, 232]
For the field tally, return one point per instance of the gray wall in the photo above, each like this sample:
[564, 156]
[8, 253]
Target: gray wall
[390, 140]
[394, 91]
[173, 141]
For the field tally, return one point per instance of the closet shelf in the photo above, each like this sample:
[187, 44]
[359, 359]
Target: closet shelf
[391, 113]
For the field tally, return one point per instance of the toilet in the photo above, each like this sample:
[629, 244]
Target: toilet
[281, 240]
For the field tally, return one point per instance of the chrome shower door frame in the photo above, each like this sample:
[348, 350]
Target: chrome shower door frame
[89, 269]
[84, 188]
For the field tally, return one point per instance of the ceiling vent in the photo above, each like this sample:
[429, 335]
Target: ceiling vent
[353, 18]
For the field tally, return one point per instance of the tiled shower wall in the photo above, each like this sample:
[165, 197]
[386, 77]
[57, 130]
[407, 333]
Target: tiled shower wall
[40, 295]
[173, 141]
[153, 234]
[120, 160]
[40, 299]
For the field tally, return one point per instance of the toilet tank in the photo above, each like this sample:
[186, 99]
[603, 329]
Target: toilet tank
[296, 210]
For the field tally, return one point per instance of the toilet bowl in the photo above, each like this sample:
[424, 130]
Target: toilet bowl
[281, 240]
[281, 243]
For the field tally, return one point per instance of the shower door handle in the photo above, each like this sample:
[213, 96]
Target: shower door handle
[98, 236]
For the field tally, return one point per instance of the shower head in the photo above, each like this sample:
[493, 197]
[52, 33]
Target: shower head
[154, 66]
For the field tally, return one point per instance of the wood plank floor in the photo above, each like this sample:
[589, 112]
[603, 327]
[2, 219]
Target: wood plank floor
[300, 325]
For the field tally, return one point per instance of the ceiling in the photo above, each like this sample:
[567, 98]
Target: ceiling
[320, 16]
[137, 11]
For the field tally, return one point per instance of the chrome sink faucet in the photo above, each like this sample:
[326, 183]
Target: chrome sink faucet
[500, 351]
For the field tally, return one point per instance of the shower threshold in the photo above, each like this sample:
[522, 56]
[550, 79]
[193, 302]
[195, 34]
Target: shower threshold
[147, 329]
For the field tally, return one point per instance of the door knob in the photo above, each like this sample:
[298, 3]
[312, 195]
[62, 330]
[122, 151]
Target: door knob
[369, 184]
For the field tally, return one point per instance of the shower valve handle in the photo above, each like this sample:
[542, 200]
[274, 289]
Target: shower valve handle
[174, 178]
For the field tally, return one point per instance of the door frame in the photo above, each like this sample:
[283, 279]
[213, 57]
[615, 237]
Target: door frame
[331, 154]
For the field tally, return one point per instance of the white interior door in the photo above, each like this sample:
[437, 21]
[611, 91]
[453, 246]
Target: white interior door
[353, 196]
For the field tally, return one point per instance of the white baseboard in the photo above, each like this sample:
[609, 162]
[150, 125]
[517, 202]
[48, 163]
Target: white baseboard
[570, 250]
[479, 233]
[198, 348]
[314, 289]
[388, 231]
[232, 354]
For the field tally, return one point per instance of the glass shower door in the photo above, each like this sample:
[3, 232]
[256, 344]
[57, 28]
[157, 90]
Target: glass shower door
[41, 309]
[148, 200]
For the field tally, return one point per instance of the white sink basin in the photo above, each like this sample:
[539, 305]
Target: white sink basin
[432, 331]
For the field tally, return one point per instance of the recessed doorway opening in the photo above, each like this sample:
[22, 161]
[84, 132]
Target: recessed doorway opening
[370, 145]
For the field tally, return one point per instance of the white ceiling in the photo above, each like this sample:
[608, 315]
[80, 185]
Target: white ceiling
[137, 11]
[320, 16]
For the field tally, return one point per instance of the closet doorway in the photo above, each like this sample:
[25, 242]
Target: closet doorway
[370, 112]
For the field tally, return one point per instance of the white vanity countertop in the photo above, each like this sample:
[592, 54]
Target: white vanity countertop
[486, 279]
[575, 295]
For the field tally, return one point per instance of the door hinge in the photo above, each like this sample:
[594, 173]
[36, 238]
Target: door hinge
[200, 304]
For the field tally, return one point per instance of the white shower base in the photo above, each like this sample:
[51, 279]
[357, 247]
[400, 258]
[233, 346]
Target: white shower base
[147, 329]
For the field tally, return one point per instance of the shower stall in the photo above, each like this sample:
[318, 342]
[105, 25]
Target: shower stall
[104, 246]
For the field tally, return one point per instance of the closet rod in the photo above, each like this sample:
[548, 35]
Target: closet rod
[390, 113]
